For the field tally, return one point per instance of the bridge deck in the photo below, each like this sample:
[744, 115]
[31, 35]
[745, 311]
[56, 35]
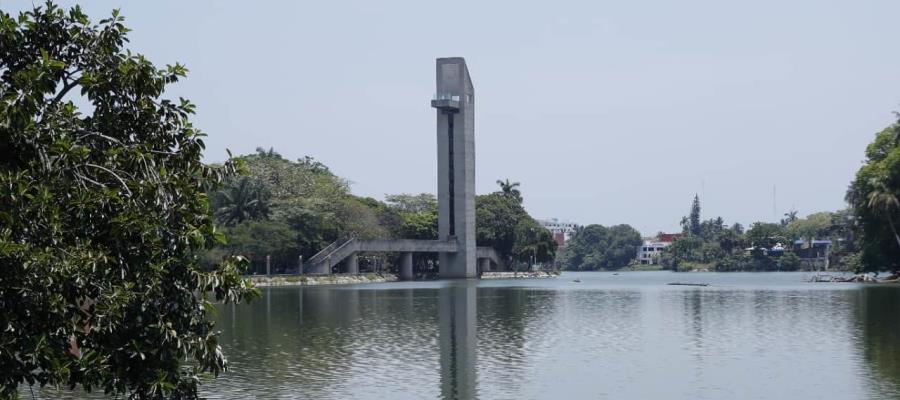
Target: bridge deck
[408, 245]
[341, 250]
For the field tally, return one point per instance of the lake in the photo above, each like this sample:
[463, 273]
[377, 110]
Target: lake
[625, 336]
[611, 336]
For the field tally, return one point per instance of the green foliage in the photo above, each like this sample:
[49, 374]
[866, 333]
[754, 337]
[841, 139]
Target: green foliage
[814, 226]
[755, 261]
[873, 196]
[302, 208]
[596, 247]
[686, 249]
[691, 224]
[711, 229]
[247, 200]
[261, 238]
[510, 189]
[788, 262]
[102, 214]
[765, 235]
[505, 225]
[420, 225]
[408, 203]
[789, 217]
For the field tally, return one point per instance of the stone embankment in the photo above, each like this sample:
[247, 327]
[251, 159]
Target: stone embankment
[318, 280]
[519, 275]
[861, 278]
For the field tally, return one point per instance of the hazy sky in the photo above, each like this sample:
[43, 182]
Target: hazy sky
[606, 112]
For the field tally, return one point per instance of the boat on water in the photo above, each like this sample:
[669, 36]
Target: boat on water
[577, 281]
[687, 284]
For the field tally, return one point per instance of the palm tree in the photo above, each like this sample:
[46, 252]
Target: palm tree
[244, 201]
[789, 217]
[271, 153]
[882, 200]
[509, 189]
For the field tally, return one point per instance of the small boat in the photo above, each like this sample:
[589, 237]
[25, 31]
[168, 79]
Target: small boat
[688, 284]
[577, 281]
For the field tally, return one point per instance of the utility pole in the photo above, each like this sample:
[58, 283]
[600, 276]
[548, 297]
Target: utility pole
[268, 265]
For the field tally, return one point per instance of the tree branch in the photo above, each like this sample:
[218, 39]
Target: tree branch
[122, 181]
[67, 86]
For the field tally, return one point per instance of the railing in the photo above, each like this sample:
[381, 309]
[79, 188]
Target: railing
[445, 96]
[318, 257]
[338, 249]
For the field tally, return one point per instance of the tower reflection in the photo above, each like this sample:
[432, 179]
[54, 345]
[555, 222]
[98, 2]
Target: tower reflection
[457, 316]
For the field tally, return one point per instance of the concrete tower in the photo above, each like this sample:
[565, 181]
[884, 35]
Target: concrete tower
[455, 104]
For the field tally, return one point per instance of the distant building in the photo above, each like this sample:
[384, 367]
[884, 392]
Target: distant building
[562, 230]
[812, 250]
[652, 248]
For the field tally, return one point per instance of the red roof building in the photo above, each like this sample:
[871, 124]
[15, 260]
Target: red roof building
[668, 237]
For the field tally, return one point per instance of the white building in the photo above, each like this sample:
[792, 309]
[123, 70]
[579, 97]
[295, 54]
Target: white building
[651, 249]
[562, 230]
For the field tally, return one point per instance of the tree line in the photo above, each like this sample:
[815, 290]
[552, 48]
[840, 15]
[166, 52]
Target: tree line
[281, 210]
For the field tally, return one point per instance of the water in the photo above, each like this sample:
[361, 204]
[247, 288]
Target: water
[625, 336]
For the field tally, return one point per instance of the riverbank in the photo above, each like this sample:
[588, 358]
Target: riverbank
[519, 275]
[319, 280]
[857, 278]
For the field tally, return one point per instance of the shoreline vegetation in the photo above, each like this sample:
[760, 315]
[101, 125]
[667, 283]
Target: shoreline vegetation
[821, 241]
[280, 212]
[348, 279]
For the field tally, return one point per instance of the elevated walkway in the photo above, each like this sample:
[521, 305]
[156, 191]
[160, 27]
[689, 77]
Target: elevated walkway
[345, 251]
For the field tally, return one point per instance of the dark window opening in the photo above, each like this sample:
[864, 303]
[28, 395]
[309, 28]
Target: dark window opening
[451, 180]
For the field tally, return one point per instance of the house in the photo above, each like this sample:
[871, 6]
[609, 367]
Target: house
[812, 250]
[562, 230]
[652, 248]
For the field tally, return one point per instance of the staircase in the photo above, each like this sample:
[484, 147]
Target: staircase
[330, 256]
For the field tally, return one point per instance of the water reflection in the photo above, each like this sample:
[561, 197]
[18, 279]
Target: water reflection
[747, 336]
[878, 318]
[458, 344]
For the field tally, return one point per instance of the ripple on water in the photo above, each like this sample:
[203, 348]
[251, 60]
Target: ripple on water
[749, 336]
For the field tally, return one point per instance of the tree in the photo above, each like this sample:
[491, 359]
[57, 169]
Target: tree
[596, 247]
[765, 235]
[510, 190]
[711, 228]
[420, 225]
[813, 226]
[497, 217]
[690, 224]
[730, 241]
[259, 239]
[788, 262]
[873, 196]
[244, 201]
[422, 202]
[789, 217]
[103, 212]
[505, 225]
[883, 201]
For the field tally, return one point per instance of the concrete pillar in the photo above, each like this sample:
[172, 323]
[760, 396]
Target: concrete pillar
[351, 264]
[406, 267]
[484, 264]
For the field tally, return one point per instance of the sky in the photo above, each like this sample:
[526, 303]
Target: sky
[606, 112]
